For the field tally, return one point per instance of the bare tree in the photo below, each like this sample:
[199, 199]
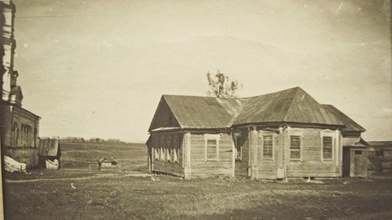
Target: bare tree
[221, 86]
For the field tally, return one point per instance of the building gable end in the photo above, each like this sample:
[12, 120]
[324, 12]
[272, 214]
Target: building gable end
[164, 117]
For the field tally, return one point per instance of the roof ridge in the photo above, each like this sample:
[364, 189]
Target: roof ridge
[244, 102]
[198, 96]
[248, 97]
[291, 104]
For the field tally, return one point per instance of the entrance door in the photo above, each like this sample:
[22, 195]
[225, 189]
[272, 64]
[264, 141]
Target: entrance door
[346, 161]
[358, 165]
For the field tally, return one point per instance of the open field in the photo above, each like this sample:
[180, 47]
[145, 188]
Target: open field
[128, 193]
[81, 155]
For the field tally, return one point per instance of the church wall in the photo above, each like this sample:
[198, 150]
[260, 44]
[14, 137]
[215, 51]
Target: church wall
[27, 155]
[6, 120]
[27, 124]
[20, 147]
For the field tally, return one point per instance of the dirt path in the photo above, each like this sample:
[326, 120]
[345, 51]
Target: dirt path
[96, 176]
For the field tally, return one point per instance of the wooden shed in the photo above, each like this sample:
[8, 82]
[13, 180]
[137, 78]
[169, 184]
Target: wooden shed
[355, 160]
[382, 148]
[104, 163]
[278, 135]
[49, 153]
[381, 156]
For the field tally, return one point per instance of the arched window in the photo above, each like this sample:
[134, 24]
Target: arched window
[22, 135]
[15, 134]
[28, 136]
[35, 137]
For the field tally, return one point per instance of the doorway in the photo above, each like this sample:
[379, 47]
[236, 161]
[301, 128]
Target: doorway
[354, 162]
[346, 162]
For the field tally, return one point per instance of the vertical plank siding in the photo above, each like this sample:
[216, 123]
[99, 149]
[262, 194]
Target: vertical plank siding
[202, 168]
[167, 141]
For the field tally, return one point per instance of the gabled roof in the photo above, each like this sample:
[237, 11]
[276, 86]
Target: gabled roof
[106, 160]
[291, 105]
[288, 106]
[198, 112]
[354, 142]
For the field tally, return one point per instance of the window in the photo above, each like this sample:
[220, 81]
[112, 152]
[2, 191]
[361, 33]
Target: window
[22, 133]
[295, 147]
[327, 148]
[268, 146]
[327, 144]
[16, 134]
[238, 147]
[212, 150]
[211, 147]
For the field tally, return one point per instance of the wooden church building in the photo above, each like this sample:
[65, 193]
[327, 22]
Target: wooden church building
[286, 134]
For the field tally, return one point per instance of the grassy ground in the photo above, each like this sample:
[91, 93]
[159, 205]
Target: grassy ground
[84, 193]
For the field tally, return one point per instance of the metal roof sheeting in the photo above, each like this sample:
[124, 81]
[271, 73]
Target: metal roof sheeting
[288, 106]
[203, 112]
[291, 105]
[354, 142]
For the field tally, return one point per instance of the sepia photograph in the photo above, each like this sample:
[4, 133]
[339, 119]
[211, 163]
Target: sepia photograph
[197, 109]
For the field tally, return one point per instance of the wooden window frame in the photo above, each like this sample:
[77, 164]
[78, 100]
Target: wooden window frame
[262, 136]
[296, 133]
[211, 137]
[330, 134]
[16, 134]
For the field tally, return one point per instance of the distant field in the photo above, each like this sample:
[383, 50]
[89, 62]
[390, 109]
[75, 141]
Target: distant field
[83, 155]
[77, 192]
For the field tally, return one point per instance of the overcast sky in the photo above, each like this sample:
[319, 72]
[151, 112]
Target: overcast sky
[97, 68]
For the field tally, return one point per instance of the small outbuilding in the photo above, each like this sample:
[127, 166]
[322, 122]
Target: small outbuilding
[381, 156]
[355, 157]
[49, 154]
[106, 163]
